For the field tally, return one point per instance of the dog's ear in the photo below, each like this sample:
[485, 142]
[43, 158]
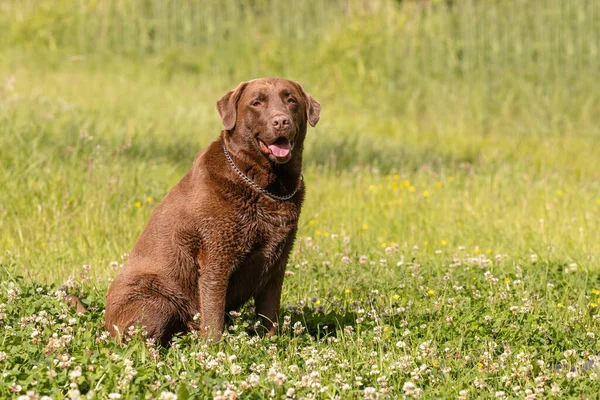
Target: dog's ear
[313, 107]
[227, 106]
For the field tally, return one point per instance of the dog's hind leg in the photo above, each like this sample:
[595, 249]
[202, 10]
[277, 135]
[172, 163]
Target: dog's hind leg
[158, 317]
[161, 309]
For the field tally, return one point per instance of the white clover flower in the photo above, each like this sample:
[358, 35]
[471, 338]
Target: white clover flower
[236, 369]
[370, 393]
[76, 373]
[13, 294]
[167, 396]
[572, 374]
[253, 379]
[478, 384]
[298, 328]
[570, 353]
[279, 378]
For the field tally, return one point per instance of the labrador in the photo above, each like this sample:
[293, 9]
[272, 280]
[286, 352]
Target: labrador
[223, 234]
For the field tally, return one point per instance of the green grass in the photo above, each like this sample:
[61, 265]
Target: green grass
[453, 175]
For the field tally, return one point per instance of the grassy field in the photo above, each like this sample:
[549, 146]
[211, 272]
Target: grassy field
[450, 240]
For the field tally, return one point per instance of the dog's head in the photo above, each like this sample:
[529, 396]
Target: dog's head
[271, 114]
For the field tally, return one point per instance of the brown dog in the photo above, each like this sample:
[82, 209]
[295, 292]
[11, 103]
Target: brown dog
[223, 234]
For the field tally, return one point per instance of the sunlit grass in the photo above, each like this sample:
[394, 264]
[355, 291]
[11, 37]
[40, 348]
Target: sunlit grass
[82, 156]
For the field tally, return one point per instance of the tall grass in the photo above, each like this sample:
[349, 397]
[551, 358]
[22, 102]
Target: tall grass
[508, 66]
[544, 39]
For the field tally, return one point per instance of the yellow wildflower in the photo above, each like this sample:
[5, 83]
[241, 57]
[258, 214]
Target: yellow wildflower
[443, 242]
[507, 280]
[431, 292]
[138, 204]
[407, 184]
[149, 199]
[411, 189]
[396, 297]
[560, 192]
[365, 227]
[426, 194]
[347, 291]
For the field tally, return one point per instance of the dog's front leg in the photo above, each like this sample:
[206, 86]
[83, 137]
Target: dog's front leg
[268, 302]
[212, 291]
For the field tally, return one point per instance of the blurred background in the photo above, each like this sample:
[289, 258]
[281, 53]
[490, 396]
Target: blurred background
[444, 122]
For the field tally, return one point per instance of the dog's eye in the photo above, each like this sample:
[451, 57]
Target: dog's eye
[256, 103]
[292, 100]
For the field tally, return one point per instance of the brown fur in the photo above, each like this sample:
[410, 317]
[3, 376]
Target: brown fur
[214, 242]
[74, 302]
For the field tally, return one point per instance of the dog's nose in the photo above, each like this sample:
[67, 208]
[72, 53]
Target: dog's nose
[281, 122]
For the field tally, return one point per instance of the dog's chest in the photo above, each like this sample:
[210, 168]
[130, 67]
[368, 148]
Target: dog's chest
[268, 236]
[274, 226]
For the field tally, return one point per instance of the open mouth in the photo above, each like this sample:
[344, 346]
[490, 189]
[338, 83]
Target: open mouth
[280, 148]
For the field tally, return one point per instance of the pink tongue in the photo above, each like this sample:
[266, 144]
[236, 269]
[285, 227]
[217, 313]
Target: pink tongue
[281, 149]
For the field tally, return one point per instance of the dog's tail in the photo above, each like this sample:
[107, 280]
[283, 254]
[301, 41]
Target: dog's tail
[73, 301]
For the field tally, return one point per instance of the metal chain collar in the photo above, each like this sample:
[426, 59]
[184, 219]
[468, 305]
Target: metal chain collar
[256, 186]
